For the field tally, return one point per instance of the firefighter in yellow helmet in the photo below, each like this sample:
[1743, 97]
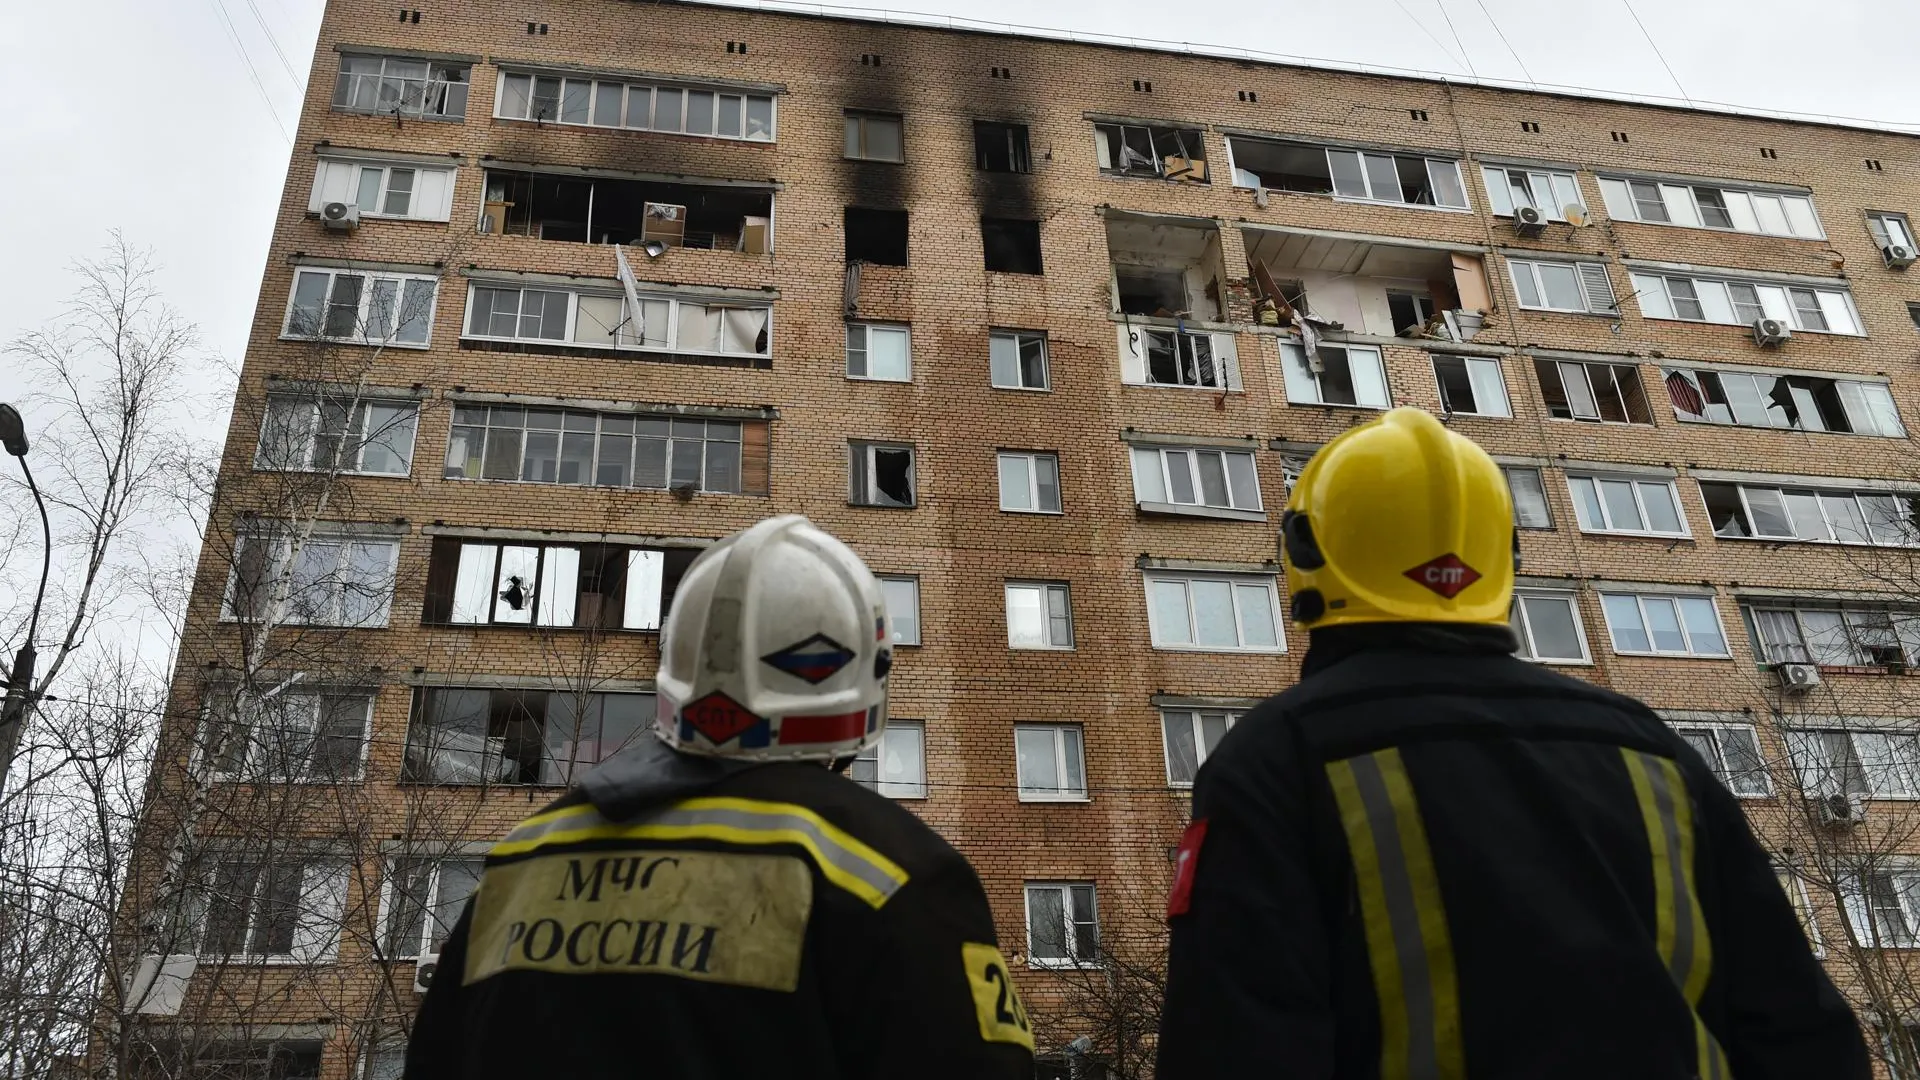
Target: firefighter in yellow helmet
[1432, 861]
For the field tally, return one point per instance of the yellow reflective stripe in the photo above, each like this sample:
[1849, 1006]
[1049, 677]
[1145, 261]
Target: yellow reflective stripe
[1408, 943]
[842, 859]
[1680, 926]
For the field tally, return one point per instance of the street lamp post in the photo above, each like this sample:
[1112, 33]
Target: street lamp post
[13, 437]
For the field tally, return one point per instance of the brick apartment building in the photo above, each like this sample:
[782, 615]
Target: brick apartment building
[1022, 320]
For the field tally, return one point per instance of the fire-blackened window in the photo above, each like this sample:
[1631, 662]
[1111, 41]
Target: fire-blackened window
[1001, 148]
[877, 236]
[1012, 245]
[880, 475]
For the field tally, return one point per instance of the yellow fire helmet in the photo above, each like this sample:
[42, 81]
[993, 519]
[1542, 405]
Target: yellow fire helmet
[1400, 520]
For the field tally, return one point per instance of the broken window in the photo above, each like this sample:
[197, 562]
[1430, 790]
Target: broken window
[553, 446]
[337, 430]
[1017, 359]
[876, 236]
[288, 737]
[609, 586]
[1001, 148]
[1178, 358]
[394, 85]
[880, 475]
[1012, 245]
[265, 1059]
[1343, 375]
[465, 735]
[1145, 150]
[1348, 174]
[1166, 268]
[1410, 311]
[334, 580]
[712, 112]
[603, 320]
[605, 211]
[1596, 392]
[1471, 385]
[1280, 166]
[874, 137]
[1151, 290]
[360, 308]
[1822, 515]
[1798, 402]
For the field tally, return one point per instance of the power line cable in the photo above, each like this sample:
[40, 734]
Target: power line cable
[1656, 51]
[1515, 53]
[1442, 5]
[233, 35]
[1415, 19]
[275, 42]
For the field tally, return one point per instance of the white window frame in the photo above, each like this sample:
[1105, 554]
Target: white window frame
[1366, 178]
[1471, 364]
[354, 169]
[1896, 778]
[863, 450]
[369, 287]
[1161, 459]
[640, 607]
[1194, 716]
[1540, 481]
[1854, 620]
[1236, 583]
[712, 433]
[1185, 345]
[866, 331]
[316, 930]
[1827, 524]
[1876, 406]
[1034, 501]
[875, 755]
[383, 1058]
[255, 758]
[1500, 198]
[1071, 936]
[1299, 376]
[1877, 227]
[1775, 299]
[1593, 393]
[1624, 205]
[1717, 761]
[863, 117]
[501, 100]
[1606, 526]
[1640, 602]
[912, 582]
[1796, 889]
[1586, 276]
[389, 902]
[1061, 791]
[1529, 651]
[1904, 884]
[426, 82]
[625, 340]
[1018, 337]
[1047, 590]
[277, 565]
[350, 443]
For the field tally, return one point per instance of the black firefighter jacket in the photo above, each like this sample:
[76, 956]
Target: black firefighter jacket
[687, 918]
[1432, 861]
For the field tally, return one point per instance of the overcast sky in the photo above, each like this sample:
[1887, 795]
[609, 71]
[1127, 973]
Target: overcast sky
[144, 116]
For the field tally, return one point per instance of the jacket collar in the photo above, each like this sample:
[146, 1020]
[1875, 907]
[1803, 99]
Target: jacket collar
[649, 771]
[1330, 646]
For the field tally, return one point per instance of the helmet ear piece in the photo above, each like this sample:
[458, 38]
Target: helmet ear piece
[1296, 534]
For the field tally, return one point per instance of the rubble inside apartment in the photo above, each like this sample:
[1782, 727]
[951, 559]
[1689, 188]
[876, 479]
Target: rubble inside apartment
[612, 210]
[1366, 285]
[1168, 284]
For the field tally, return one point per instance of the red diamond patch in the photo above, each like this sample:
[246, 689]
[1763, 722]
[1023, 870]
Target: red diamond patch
[718, 717]
[1446, 575]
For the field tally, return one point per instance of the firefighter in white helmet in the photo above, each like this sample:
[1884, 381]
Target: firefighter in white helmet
[715, 901]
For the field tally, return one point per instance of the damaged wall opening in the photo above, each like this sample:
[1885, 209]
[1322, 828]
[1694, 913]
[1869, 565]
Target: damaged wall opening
[1165, 269]
[606, 211]
[1348, 174]
[1012, 245]
[880, 475]
[1146, 150]
[1371, 287]
[1001, 148]
[877, 236]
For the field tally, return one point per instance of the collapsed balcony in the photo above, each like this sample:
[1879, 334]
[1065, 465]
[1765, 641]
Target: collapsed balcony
[1367, 286]
[601, 210]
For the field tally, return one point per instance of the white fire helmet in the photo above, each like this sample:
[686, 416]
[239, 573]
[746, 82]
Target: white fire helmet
[776, 648]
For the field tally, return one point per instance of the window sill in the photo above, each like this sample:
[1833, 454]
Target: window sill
[1035, 513]
[1719, 229]
[1702, 421]
[1604, 423]
[1168, 322]
[1865, 669]
[280, 961]
[1797, 541]
[1402, 205]
[1336, 405]
[476, 785]
[1218, 651]
[1032, 389]
[1184, 386]
[1742, 326]
[1028, 797]
[237, 621]
[1116, 174]
[354, 473]
[418, 346]
[1453, 413]
[597, 487]
[1626, 535]
[1611, 316]
[297, 781]
[546, 123]
[529, 627]
[314, 215]
[908, 381]
[1011, 647]
[388, 114]
[1554, 661]
[1217, 513]
[659, 356]
[881, 506]
[1675, 656]
[1063, 964]
[871, 160]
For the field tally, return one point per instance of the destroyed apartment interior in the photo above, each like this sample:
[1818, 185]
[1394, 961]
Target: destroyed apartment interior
[605, 210]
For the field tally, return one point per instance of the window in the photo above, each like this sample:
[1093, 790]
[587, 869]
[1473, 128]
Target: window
[1733, 753]
[577, 209]
[1820, 515]
[880, 353]
[896, 766]
[1001, 148]
[1548, 627]
[876, 236]
[278, 907]
[1166, 479]
[1594, 392]
[1796, 891]
[563, 446]
[337, 430]
[1346, 375]
[600, 320]
[1029, 483]
[289, 737]
[1866, 762]
[1619, 505]
[393, 85]
[1063, 928]
[874, 137]
[262, 1059]
[1182, 358]
[1883, 907]
[1821, 310]
[1547, 191]
[1769, 399]
[1190, 736]
[334, 580]
[424, 898]
[462, 735]
[1890, 230]
[384, 1059]
[362, 309]
[1143, 150]
[1837, 637]
[1038, 616]
[1408, 311]
[1349, 174]
[711, 112]
[903, 608]
[400, 192]
[1561, 286]
[1049, 762]
[1529, 497]
[1710, 207]
[1011, 245]
[1018, 359]
[1471, 386]
[1913, 314]
[1663, 625]
[880, 475]
[473, 582]
[1214, 613]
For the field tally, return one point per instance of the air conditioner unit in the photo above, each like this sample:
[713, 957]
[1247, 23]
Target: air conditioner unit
[1529, 221]
[1838, 808]
[1798, 678]
[1898, 256]
[423, 970]
[1771, 331]
[340, 215]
